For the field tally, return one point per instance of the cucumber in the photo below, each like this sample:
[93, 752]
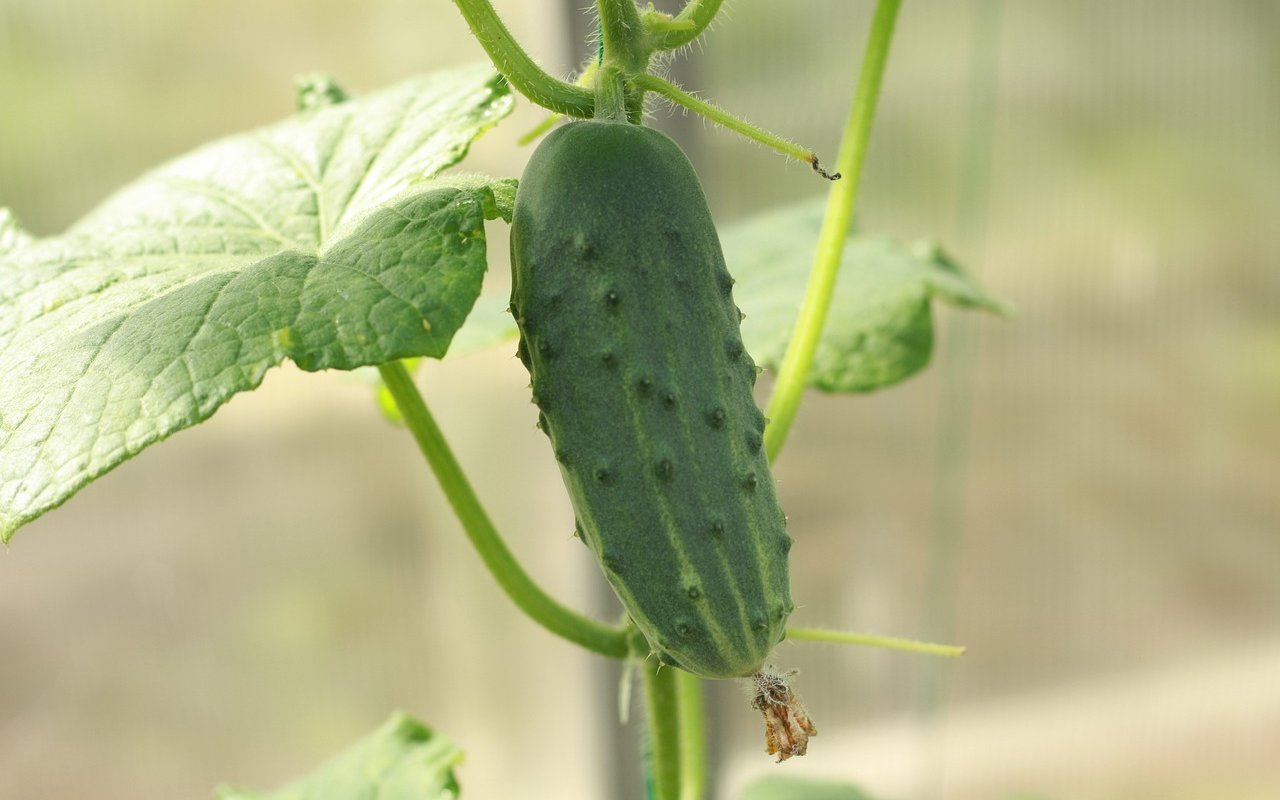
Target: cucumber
[631, 337]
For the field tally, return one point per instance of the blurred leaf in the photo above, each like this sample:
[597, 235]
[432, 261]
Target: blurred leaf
[779, 788]
[317, 90]
[12, 236]
[488, 325]
[402, 760]
[324, 239]
[880, 326]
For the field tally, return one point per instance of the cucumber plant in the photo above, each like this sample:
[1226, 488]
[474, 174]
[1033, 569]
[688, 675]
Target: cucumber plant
[184, 288]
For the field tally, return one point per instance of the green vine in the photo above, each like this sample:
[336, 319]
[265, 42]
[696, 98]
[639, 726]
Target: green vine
[526, 594]
[691, 718]
[520, 70]
[663, 730]
[688, 25]
[793, 375]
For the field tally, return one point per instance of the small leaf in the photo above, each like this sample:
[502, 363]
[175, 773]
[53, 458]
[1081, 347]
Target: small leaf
[325, 239]
[880, 326]
[402, 760]
[780, 788]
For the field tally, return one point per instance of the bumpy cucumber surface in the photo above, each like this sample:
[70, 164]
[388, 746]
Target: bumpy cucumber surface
[630, 333]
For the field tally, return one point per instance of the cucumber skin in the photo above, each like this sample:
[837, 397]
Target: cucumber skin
[631, 337]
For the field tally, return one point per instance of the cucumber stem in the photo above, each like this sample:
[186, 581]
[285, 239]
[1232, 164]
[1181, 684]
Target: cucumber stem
[520, 70]
[623, 39]
[693, 736]
[793, 375]
[527, 595]
[663, 727]
[611, 97]
[872, 640]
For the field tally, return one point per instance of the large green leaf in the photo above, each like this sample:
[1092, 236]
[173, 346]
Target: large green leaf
[402, 760]
[880, 326]
[783, 788]
[325, 239]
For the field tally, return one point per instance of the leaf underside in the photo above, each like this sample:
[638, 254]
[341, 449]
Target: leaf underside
[879, 330]
[402, 760]
[325, 239]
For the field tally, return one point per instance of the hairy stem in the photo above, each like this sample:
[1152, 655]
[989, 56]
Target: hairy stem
[652, 83]
[693, 736]
[661, 701]
[794, 373]
[622, 36]
[611, 95]
[526, 594]
[586, 79]
[518, 68]
[871, 640]
[688, 25]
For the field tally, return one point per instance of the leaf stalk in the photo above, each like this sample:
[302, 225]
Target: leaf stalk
[872, 640]
[527, 595]
[520, 70]
[692, 724]
[663, 719]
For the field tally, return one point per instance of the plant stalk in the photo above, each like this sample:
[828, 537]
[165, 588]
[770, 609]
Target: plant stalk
[622, 35]
[661, 706]
[526, 594]
[872, 640]
[652, 83]
[693, 736]
[520, 70]
[794, 373]
[688, 25]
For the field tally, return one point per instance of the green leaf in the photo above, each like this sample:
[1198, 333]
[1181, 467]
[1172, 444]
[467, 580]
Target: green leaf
[402, 760]
[778, 788]
[880, 326]
[325, 239]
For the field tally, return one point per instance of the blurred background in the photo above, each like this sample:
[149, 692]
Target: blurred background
[1087, 495]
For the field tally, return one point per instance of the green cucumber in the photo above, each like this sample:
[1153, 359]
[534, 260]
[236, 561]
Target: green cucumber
[630, 334]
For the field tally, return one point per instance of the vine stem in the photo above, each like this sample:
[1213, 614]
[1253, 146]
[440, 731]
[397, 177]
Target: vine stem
[688, 25]
[872, 640]
[665, 741]
[693, 736]
[520, 70]
[622, 36]
[794, 373]
[652, 83]
[526, 594]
